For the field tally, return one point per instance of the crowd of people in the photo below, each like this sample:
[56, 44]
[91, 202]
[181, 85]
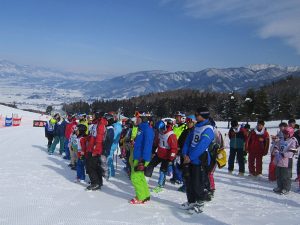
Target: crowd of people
[256, 144]
[187, 148]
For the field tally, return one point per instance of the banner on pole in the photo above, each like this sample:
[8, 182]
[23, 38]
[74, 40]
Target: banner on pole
[16, 122]
[8, 121]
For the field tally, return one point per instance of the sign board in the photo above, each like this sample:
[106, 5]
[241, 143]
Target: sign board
[39, 123]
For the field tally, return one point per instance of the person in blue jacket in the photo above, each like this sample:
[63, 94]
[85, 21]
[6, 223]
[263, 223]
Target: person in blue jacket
[59, 134]
[142, 154]
[49, 131]
[196, 157]
[110, 159]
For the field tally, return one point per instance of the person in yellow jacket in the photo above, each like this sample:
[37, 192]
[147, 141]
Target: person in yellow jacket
[180, 125]
[83, 120]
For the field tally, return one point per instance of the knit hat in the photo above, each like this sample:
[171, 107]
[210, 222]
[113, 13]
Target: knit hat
[203, 111]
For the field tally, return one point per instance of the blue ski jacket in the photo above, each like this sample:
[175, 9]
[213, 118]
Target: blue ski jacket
[49, 128]
[117, 134]
[143, 143]
[108, 141]
[198, 141]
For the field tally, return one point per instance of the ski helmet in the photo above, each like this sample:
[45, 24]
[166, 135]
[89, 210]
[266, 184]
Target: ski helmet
[178, 113]
[160, 126]
[182, 117]
[190, 119]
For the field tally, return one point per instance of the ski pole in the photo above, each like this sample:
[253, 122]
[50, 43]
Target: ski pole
[117, 157]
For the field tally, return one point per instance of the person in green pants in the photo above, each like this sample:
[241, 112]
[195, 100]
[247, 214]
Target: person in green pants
[142, 153]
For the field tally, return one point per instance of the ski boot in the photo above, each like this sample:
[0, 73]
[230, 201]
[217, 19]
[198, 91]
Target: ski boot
[157, 189]
[197, 208]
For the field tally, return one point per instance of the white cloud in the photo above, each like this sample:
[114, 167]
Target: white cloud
[273, 18]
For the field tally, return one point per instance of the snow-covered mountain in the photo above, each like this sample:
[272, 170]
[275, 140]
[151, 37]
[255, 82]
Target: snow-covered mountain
[212, 79]
[31, 86]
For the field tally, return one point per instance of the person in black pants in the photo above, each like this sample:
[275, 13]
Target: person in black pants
[49, 131]
[95, 150]
[238, 138]
[95, 171]
[195, 147]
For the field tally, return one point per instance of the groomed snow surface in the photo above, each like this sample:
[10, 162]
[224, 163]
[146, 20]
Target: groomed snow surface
[36, 189]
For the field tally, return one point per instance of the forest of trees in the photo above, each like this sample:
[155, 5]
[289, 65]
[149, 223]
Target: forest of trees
[277, 101]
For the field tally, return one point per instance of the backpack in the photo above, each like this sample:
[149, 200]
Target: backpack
[216, 153]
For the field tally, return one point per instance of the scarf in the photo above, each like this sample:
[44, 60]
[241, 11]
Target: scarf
[236, 130]
[259, 132]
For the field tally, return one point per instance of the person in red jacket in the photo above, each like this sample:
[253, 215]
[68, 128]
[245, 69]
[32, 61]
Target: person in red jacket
[71, 124]
[94, 150]
[167, 148]
[257, 147]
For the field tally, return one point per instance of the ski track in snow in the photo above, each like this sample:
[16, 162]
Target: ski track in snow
[39, 189]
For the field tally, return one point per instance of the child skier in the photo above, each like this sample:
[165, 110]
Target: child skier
[115, 145]
[108, 142]
[190, 121]
[257, 147]
[81, 144]
[238, 137]
[215, 148]
[70, 125]
[166, 152]
[73, 149]
[49, 131]
[283, 151]
[275, 139]
[178, 129]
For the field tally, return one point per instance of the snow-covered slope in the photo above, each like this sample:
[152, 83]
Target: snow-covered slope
[39, 189]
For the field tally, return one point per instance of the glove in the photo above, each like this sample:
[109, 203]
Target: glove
[140, 167]
[186, 170]
[172, 156]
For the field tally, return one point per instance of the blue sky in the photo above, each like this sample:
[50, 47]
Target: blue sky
[121, 36]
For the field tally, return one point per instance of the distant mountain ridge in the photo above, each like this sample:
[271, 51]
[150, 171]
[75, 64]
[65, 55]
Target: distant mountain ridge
[47, 84]
[212, 79]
